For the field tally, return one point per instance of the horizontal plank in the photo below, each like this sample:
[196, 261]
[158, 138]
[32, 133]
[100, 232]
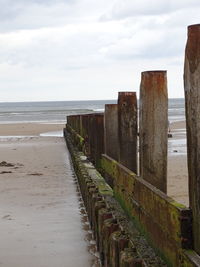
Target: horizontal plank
[166, 223]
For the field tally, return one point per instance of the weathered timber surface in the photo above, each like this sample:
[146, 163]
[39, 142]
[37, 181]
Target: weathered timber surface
[127, 129]
[190, 259]
[153, 128]
[98, 138]
[111, 131]
[112, 230]
[192, 100]
[166, 223]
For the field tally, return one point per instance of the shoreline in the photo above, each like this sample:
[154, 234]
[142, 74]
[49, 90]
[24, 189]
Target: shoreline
[28, 129]
[177, 153]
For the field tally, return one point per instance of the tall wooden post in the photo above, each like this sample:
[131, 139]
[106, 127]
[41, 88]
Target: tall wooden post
[111, 131]
[192, 101]
[153, 128]
[127, 129]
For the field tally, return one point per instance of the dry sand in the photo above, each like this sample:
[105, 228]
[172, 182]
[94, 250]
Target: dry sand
[42, 217]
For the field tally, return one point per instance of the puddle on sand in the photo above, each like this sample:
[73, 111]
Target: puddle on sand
[52, 134]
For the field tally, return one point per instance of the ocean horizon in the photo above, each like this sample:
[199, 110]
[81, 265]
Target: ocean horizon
[56, 111]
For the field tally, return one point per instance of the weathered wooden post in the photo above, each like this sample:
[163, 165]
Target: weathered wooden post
[153, 128]
[192, 101]
[99, 138]
[91, 137]
[111, 131]
[85, 133]
[127, 129]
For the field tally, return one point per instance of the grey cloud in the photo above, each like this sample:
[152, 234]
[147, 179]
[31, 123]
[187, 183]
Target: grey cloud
[128, 8]
[157, 45]
[65, 51]
[28, 14]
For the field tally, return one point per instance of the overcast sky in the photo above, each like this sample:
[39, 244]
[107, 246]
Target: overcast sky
[90, 49]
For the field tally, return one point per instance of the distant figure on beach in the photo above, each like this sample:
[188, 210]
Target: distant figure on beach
[169, 129]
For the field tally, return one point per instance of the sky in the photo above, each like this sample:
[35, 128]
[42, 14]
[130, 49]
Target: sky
[90, 49]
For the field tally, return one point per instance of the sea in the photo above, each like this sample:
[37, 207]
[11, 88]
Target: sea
[56, 111]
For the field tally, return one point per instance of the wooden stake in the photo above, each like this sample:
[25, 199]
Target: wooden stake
[153, 128]
[192, 101]
[127, 129]
[111, 131]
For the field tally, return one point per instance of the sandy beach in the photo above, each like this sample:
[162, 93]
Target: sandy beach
[22, 129]
[42, 216]
[177, 159]
[42, 220]
[177, 163]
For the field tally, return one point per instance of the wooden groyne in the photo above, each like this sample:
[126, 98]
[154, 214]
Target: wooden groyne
[110, 142]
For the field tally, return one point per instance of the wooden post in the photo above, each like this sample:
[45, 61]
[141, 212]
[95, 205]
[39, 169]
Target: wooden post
[192, 101]
[98, 132]
[127, 129]
[111, 131]
[153, 128]
[91, 137]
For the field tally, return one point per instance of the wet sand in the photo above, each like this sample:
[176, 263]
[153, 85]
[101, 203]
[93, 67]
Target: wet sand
[21, 129]
[43, 222]
[177, 164]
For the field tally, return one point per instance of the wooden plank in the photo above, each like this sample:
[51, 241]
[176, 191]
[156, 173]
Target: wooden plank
[166, 223]
[190, 259]
[111, 131]
[127, 129]
[153, 128]
[192, 100]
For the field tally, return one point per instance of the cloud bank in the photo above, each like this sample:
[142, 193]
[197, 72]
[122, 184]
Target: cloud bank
[85, 49]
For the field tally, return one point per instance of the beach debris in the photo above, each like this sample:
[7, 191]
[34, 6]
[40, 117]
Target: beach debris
[36, 174]
[6, 164]
[7, 217]
[20, 164]
[4, 172]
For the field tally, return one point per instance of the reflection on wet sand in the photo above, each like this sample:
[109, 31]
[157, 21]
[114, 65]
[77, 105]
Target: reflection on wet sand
[43, 222]
[89, 236]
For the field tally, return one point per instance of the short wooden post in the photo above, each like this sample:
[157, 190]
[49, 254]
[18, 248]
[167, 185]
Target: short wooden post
[127, 129]
[111, 131]
[153, 128]
[192, 100]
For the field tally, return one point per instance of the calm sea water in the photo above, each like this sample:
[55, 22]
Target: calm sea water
[56, 112]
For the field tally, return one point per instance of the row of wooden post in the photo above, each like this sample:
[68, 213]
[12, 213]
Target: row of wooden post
[153, 123]
[121, 129]
[118, 135]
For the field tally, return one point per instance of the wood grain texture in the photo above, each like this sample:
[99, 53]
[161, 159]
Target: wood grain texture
[153, 128]
[192, 101]
[111, 131]
[127, 129]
